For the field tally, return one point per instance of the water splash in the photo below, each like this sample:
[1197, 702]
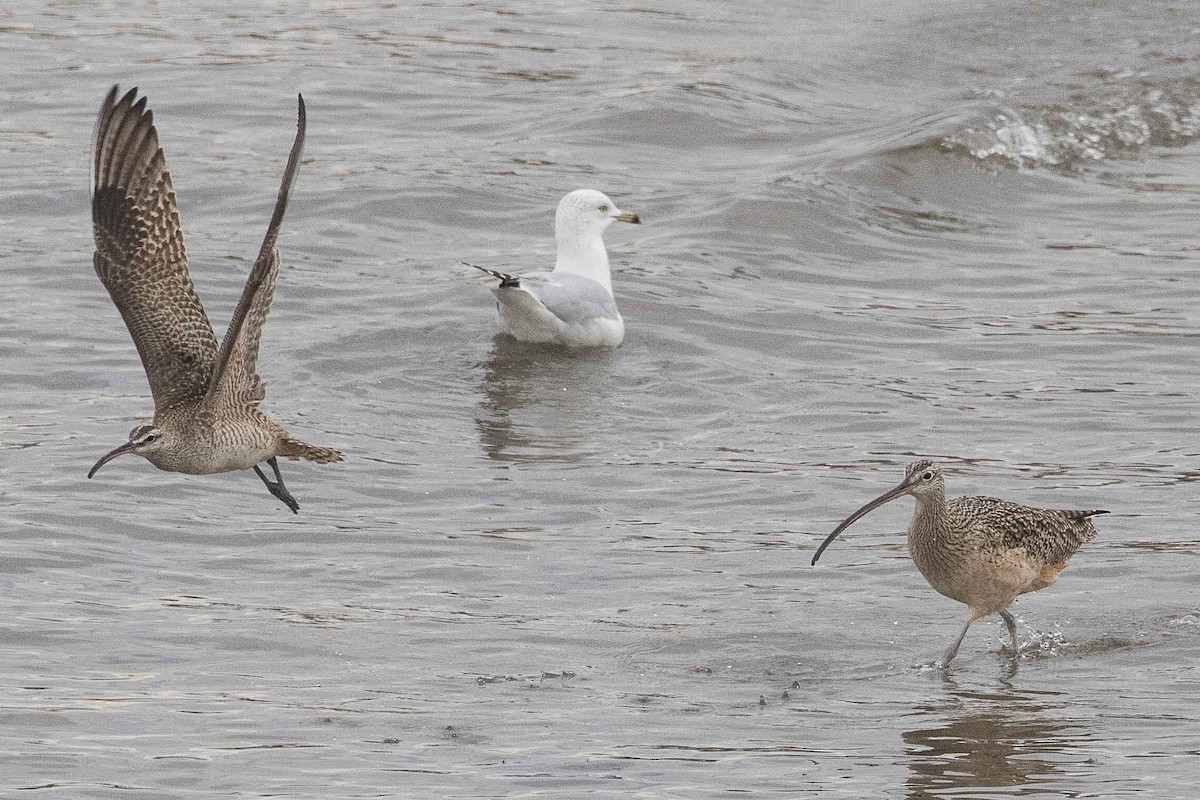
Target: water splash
[1044, 644]
[1088, 129]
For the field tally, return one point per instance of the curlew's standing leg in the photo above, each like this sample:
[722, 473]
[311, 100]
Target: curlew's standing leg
[1012, 630]
[972, 615]
[953, 651]
[276, 487]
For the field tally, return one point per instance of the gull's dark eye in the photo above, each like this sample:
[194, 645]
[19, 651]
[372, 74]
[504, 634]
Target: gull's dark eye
[604, 208]
[928, 476]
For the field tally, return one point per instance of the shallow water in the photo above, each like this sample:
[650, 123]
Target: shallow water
[964, 231]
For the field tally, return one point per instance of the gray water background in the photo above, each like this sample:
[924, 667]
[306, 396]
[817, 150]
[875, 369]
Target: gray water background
[874, 231]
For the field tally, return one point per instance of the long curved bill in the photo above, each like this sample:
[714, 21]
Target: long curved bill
[904, 488]
[628, 216]
[120, 451]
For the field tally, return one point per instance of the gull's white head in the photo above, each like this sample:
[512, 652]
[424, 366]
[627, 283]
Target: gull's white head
[587, 212]
[583, 217]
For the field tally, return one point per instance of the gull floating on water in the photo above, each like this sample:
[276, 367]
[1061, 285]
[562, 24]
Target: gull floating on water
[572, 305]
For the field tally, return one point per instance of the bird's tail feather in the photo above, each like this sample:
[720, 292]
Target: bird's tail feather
[1083, 529]
[295, 449]
[505, 278]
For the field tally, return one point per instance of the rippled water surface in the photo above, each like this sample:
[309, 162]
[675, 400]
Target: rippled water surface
[958, 230]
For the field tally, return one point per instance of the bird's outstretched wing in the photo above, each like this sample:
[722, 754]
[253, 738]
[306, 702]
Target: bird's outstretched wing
[139, 252]
[234, 376]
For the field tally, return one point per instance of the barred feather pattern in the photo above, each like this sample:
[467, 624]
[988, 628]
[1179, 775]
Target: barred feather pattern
[984, 551]
[140, 257]
[205, 396]
[1048, 536]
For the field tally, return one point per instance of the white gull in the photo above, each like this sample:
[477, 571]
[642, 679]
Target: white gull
[572, 305]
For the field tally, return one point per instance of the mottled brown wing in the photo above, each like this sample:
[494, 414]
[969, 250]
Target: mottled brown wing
[139, 252]
[1049, 535]
[234, 377]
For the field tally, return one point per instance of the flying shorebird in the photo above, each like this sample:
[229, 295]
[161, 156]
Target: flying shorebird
[572, 305]
[979, 550]
[206, 418]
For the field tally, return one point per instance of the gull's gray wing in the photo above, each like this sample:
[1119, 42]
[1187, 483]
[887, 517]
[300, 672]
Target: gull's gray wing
[572, 298]
[234, 376]
[139, 252]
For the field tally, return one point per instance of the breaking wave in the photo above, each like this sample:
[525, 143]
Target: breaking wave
[1072, 136]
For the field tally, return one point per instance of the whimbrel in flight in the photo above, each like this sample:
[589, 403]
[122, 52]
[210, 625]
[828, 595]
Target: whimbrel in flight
[206, 418]
[981, 551]
[572, 305]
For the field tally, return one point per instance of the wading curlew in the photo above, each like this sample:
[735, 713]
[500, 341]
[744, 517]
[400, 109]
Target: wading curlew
[573, 304]
[206, 418]
[981, 551]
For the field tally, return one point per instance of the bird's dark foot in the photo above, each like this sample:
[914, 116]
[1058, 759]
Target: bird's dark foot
[280, 491]
[276, 486]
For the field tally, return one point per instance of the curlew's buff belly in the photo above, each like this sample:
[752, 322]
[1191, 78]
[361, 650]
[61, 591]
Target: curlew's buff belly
[209, 459]
[985, 583]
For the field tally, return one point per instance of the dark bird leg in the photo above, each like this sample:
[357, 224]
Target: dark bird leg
[1012, 630]
[953, 651]
[276, 487]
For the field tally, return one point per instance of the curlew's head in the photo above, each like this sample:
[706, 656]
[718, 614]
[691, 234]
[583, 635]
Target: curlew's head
[921, 479]
[144, 440]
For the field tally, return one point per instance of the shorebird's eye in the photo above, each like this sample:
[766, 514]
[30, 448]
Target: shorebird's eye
[604, 208]
[150, 438]
[928, 476]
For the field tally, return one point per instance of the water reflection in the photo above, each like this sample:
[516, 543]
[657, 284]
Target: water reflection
[540, 403]
[1004, 743]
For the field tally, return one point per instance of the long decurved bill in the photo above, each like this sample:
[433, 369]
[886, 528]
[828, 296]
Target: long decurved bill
[120, 451]
[904, 488]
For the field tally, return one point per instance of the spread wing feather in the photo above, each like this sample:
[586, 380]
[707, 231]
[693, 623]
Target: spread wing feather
[234, 374]
[140, 256]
